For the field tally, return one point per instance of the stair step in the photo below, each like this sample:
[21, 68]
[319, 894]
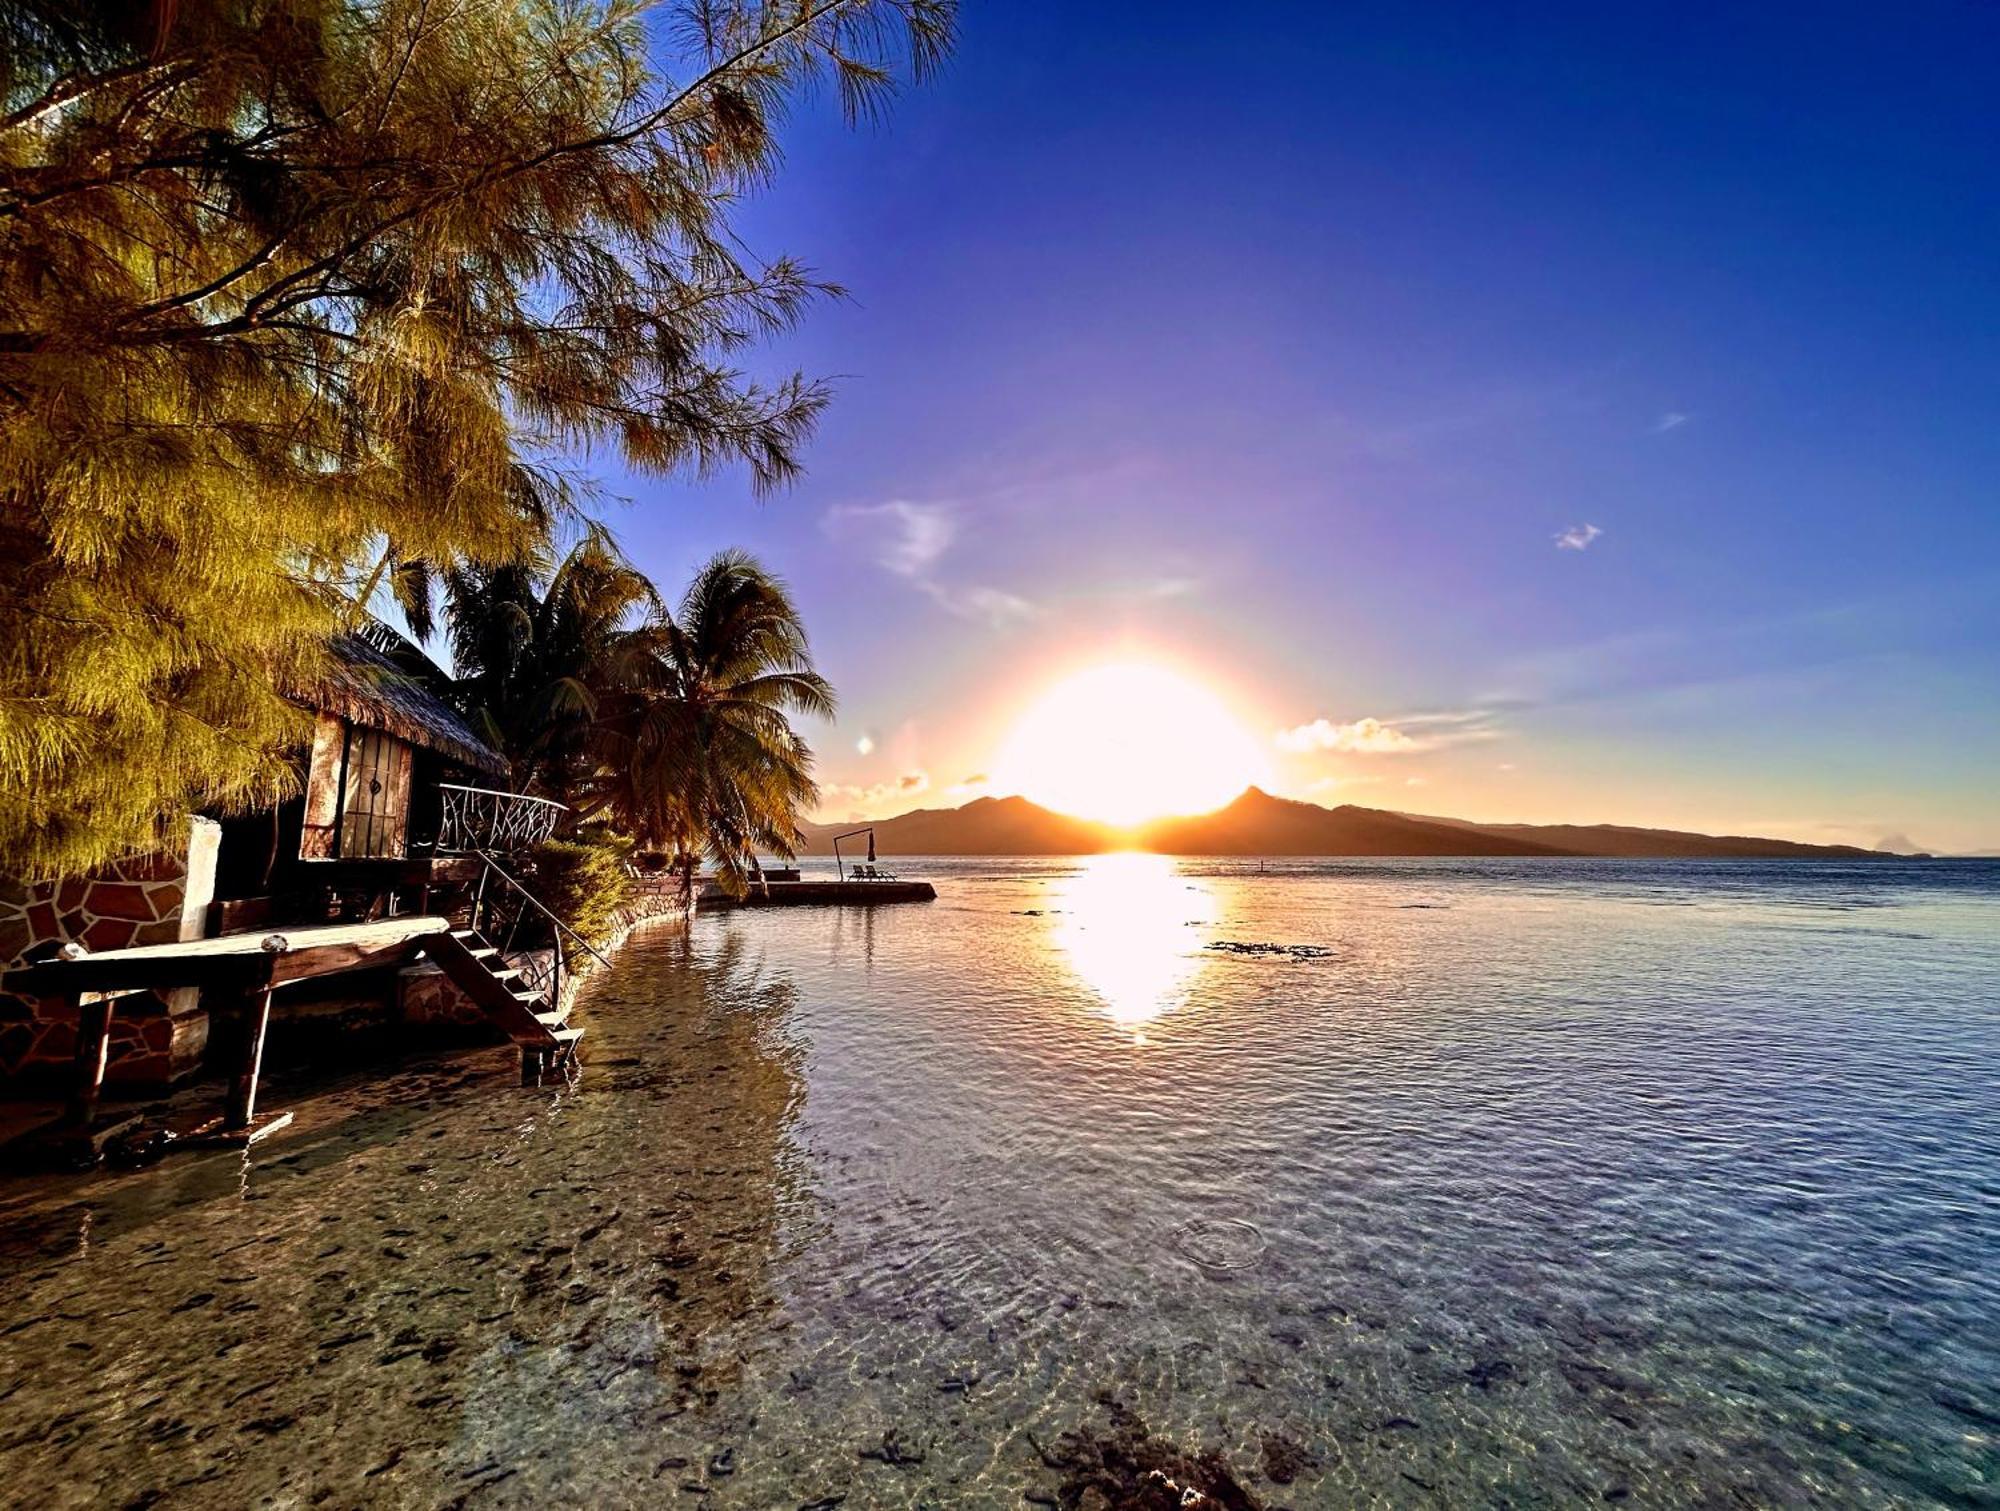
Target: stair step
[565, 1037]
[551, 1021]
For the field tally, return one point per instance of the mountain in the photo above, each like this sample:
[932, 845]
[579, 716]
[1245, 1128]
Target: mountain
[985, 826]
[1257, 823]
[1624, 841]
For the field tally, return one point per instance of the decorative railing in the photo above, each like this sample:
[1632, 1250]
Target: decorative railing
[472, 819]
[502, 907]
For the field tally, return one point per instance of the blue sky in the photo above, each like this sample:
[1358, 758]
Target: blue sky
[1282, 343]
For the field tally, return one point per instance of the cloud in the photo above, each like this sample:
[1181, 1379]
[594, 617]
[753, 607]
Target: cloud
[865, 745]
[907, 539]
[910, 540]
[1362, 737]
[995, 606]
[1416, 781]
[866, 802]
[1671, 420]
[1577, 537]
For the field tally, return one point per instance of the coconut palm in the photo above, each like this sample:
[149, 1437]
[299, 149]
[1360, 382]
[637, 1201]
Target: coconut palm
[696, 750]
[537, 643]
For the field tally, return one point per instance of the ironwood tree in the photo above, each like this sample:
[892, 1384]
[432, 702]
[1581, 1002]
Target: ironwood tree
[295, 292]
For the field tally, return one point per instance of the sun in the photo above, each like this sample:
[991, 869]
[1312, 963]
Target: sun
[1127, 742]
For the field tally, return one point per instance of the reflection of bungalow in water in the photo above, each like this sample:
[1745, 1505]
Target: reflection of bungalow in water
[398, 795]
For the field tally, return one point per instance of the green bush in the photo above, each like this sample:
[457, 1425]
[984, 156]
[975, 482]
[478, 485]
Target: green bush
[584, 881]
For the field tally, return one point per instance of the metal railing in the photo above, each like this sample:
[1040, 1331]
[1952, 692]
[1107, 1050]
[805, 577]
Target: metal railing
[476, 819]
[505, 909]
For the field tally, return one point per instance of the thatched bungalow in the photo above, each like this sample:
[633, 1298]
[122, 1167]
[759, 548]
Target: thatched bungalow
[398, 792]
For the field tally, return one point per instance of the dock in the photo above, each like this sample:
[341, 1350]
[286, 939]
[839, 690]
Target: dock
[795, 894]
[250, 968]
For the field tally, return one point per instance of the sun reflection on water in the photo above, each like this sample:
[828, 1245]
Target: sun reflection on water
[1130, 926]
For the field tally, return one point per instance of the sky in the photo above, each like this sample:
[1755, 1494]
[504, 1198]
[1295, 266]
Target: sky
[1519, 412]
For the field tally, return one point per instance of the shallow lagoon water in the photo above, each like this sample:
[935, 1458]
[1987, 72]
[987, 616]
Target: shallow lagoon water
[1480, 1183]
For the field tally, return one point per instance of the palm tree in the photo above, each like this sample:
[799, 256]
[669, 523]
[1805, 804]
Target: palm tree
[695, 749]
[536, 644]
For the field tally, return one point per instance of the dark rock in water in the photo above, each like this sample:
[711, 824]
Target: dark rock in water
[893, 1451]
[1489, 1372]
[1126, 1468]
[1268, 951]
[1285, 1459]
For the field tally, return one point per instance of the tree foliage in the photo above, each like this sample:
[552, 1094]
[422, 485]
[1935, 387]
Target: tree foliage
[294, 293]
[536, 643]
[696, 748]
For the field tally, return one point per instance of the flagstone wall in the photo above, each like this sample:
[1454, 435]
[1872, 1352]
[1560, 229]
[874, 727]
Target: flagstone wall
[151, 899]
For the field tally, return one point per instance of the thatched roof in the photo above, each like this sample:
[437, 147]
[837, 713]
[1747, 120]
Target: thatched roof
[367, 686]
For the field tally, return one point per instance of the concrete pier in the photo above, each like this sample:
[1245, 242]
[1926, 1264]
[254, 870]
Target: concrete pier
[792, 894]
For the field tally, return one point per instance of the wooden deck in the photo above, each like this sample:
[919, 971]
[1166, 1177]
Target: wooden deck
[249, 965]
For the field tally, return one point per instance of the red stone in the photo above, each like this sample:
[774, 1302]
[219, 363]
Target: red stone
[15, 937]
[15, 1043]
[161, 865]
[70, 894]
[109, 934]
[165, 899]
[42, 919]
[120, 899]
[57, 1042]
[142, 1070]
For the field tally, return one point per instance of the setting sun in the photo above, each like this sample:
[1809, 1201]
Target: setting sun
[1128, 742]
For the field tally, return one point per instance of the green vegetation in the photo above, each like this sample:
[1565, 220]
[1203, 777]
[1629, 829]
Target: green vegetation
[697, 748]
[584, 881]
[672, 724]
[302, 298]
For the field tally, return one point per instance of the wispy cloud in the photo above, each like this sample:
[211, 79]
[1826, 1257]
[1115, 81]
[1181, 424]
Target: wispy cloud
[995, 606]
[905, 538]
[910, 540]
[865, 802]
[1401, 736]
[1672, 420]
[1577, 537]
[1362, 737]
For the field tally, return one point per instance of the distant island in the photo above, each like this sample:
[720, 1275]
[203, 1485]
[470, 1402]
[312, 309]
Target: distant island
[1256, 823]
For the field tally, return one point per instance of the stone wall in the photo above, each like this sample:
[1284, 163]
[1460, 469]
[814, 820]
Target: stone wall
[151, 899]
[426, 999]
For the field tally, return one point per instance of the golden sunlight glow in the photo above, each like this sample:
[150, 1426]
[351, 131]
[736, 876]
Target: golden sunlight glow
[1123, 924]
[1128, 742]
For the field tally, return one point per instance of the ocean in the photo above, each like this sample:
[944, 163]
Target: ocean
[1428, 1182]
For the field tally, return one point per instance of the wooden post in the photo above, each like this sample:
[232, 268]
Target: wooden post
[93, 1050]
[243, 1090]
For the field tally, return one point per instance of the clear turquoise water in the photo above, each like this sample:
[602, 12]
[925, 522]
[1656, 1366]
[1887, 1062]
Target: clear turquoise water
[1528, 1183]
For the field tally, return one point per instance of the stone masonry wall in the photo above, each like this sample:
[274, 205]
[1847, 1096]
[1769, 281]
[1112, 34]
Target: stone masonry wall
[151, 899]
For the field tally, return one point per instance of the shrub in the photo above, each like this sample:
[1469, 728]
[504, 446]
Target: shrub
[584, 882]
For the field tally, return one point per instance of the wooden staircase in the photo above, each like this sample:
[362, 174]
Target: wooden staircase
[537, 1021]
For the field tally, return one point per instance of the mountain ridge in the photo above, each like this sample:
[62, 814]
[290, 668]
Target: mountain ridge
[1257, 823]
